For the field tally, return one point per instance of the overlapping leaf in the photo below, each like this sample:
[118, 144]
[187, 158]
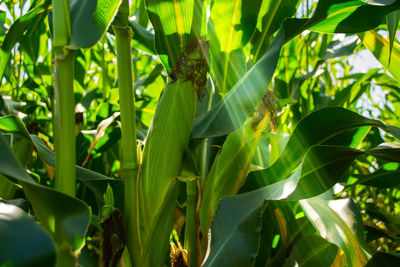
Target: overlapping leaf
[230, 112]
[341, 16]
[230, 27]
[90, 20]
[65, 217]
[320, 169]
[380, 48]
[19, 239]
[35, 15]
[339, 222]
[172, 22]
[312, 250]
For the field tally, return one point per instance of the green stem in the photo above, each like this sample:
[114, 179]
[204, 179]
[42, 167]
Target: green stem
[123, 36]
[191, 223]
[104, 69]
[65, 124]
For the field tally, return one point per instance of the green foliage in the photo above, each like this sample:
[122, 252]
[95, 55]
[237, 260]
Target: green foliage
[245, 133]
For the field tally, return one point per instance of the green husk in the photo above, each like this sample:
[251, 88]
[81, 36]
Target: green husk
[165, 145]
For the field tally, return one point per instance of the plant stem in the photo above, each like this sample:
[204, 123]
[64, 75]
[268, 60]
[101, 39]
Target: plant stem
[65, 103]
[123, 37]
[65, 124]
[104, 69]
[191, 226]
[191, 223]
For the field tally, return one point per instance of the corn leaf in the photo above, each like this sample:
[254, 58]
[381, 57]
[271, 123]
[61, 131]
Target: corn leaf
[271, 16]
[90, 20]
[341, 16]
[380, 48]
[37, 12]
[95, 181]
[336, 120]
[230, 27]
[392, 21]
[172, 22]
[312, 250]
[339, 222]
[229, 113]
[19, 236]
[65, 217]
[237, 218]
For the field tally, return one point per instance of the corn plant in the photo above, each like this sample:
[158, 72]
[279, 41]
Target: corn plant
[199, 133]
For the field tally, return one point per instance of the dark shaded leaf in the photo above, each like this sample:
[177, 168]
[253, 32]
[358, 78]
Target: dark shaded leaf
[22, 241]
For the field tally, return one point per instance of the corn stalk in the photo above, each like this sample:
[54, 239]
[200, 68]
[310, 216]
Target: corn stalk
[65, 103]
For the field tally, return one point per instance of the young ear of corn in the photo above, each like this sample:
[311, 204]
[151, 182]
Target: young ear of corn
[232, 165]
[166, 142]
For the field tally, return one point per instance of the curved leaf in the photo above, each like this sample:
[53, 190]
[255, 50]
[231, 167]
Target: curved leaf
[312, 251]
[90, 20]
[332, 121]
[380, 179]
[230, 27]
[20, 237]
[172, 22]
[392, 21]
[14, 125]
[37, 12]
[339, 222]
[341, 16]
[230, 112]
[237, 220]
[380, 48]
[65, 217]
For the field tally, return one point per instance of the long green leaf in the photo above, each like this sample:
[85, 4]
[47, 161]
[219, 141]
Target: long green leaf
[90, 20]
[339, 222]
[335, 121]
[65, 217]
[230, 27]
[380, 179]
[37, 12]
[237, 218]
[341, 16]
[272, 14]
[392, 21]
[172, 22]
[312, 250]
[230, 113]
[22, 241]
[320, 169]
[380, 48]
[14, 125]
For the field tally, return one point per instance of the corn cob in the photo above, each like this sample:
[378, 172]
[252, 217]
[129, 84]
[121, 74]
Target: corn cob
[168, 138]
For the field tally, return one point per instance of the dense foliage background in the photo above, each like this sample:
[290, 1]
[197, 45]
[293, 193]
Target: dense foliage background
[285, 153]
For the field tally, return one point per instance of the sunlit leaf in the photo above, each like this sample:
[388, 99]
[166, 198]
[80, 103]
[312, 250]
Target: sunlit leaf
[230, 112]
[339, 222]
[380, 48]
